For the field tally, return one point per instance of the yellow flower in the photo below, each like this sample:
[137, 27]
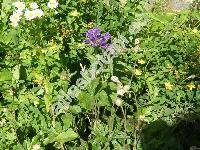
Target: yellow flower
[195, 30]
[191, 86]
[138, 72]
[168, 86]
[177, 75]
[89, 25]
[141, 61]
[170, 66]
[74, 13]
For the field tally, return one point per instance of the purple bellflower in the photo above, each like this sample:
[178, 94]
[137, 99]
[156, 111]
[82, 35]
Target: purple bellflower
[96, 39]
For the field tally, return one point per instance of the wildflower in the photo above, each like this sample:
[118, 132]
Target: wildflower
[52, 4]
[177, 75]
[89, 25]
[14, 24]
[123, 2]
[122, 90]
[38, 13]
[33, 5]
[170, 66]
[168, 86]
[118, 102]
[30, 14]
[137, 41]
[126, 88]
[74, 13]
[138, 72]
[36, 147]
[141, 61]
[195, 30]
[96, 39]
[20, 5]
[191, 86]
[5, 110]
[115, 79]
[15, 18]
[142, 118]
[2, 122]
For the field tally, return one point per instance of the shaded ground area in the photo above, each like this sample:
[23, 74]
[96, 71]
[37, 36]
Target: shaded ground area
[185, 135]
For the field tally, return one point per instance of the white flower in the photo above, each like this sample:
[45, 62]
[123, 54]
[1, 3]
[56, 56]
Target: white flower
[137, 41]
[33, 5]
[5, 110]
[20, 5]
[14, 24]
[38, 13]
[15, 18]
[122, 90]
[30, 14]
[143, 118]
[118, 102]
[115, 79]
[36, 147]
[52, 4]
[126, 88]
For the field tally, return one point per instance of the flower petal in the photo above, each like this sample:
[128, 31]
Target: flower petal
[87, 41]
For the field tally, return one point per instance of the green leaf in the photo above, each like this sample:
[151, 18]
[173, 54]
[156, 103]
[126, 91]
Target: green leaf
[5, 75]
[75, 109]
[85, 100]
[69, 135]
[67, 120]
[16, 72]
[103, 98]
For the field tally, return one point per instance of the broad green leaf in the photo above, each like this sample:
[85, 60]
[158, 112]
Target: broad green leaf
[67, 120]
[75, 109]
[16, 72]
[69, 135]
[5, 75]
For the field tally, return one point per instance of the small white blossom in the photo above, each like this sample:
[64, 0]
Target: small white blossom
[33, 5]
[52, 4]
[126, 88]
[115, 79]
[137, 41]
[38, 13]
[143, 118]
[14, 24]
[118, 102]
[36, 147]
[5, 110]
[15, 18]
[30, 14]
[122, 90]
[20, 5]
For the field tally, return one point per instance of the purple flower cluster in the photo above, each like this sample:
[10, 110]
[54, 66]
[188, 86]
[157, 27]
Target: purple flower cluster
[96, 39]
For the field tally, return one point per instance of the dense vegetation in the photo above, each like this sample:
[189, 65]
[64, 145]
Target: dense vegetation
[146, 97]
